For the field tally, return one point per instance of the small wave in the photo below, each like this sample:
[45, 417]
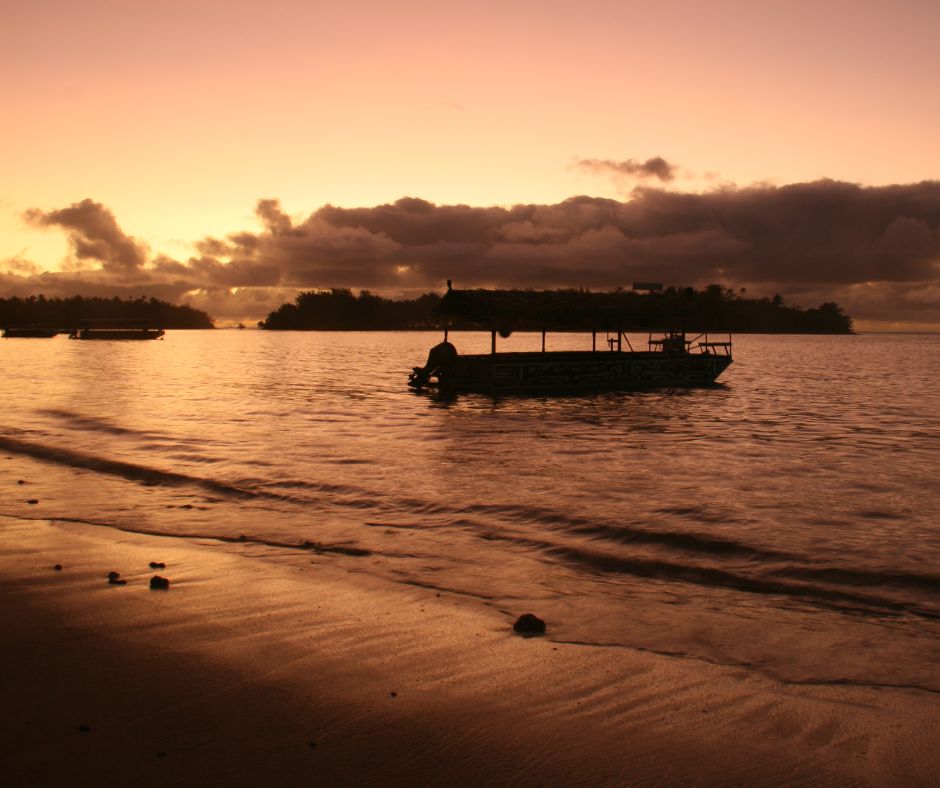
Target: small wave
[399, 526]
[842, 600]
[297, 484]
[316, 547]
[816, 520]
[700, 513]
[625, 534]
[90, 424]
[446, 589]
[128, 470]
[679, 539]
[776, 675]
[197, 458]
[877, 514]
[862, 577]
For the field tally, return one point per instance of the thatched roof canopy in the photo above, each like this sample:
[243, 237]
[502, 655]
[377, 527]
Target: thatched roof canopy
[541, 310]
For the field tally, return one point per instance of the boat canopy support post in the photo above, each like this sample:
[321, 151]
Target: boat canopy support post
[619, 336]
[493, 341]
[445, 329]
[594, 341]
[543, 341]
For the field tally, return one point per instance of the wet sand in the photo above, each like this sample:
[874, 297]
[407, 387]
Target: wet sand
[267, 672]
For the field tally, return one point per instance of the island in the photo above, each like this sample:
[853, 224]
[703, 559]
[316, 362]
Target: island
[63, 314]
[714, 308]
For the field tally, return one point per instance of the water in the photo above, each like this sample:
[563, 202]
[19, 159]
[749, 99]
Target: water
[785, 522]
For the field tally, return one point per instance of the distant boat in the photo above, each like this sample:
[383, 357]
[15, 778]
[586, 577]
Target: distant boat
[116, 329]
[30, 332]
[117, 333]
[670, 360]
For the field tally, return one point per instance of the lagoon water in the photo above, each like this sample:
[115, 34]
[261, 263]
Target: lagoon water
[786, 521]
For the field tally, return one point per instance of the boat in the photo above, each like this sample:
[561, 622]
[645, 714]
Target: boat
[670, 359]
[116, 329]
[116, 333]
[30, 332]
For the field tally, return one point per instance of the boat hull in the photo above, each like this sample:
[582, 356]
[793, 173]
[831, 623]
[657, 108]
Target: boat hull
[122, 334]
[30, 333]
[580, 371]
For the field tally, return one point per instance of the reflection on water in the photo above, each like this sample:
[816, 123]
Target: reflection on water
[786, 519]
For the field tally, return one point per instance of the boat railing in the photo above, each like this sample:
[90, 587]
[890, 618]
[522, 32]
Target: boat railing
[676, 342]
[710, 346]
[615, 343]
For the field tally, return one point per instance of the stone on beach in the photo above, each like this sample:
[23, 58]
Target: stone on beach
[32, 501]
[158, 583]
[157, 565]
[58, 567]
[114, 578]
[529, 624]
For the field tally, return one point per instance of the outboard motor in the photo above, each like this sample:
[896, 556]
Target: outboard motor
[440, 357]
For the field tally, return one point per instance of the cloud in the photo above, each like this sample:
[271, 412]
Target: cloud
[94, 235]
[61, 284]
[825, 233]
[656, 167]
[18, 265]
[275, 220]
[876, 250]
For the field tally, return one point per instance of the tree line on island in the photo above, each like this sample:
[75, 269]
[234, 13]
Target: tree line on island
[714, 308]
[68, 313]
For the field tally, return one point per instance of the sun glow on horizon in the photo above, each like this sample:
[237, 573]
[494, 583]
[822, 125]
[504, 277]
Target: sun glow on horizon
[179, 118]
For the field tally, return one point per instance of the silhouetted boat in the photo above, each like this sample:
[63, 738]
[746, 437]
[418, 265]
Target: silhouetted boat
[116, 329]
[669, 360]
[30, 332]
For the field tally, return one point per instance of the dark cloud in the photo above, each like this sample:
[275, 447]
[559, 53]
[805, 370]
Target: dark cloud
[657, 167]
[94, 235]
[824, 232]
[277, 222]
[874, 249]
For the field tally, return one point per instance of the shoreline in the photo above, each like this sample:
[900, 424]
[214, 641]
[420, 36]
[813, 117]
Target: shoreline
[262, 672]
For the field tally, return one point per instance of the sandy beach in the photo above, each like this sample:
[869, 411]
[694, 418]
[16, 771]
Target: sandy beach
[266, 673]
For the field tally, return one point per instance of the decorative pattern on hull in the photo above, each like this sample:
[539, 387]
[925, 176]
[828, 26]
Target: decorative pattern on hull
[625, 371]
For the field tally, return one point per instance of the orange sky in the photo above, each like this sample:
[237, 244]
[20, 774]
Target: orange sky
[179, 116]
